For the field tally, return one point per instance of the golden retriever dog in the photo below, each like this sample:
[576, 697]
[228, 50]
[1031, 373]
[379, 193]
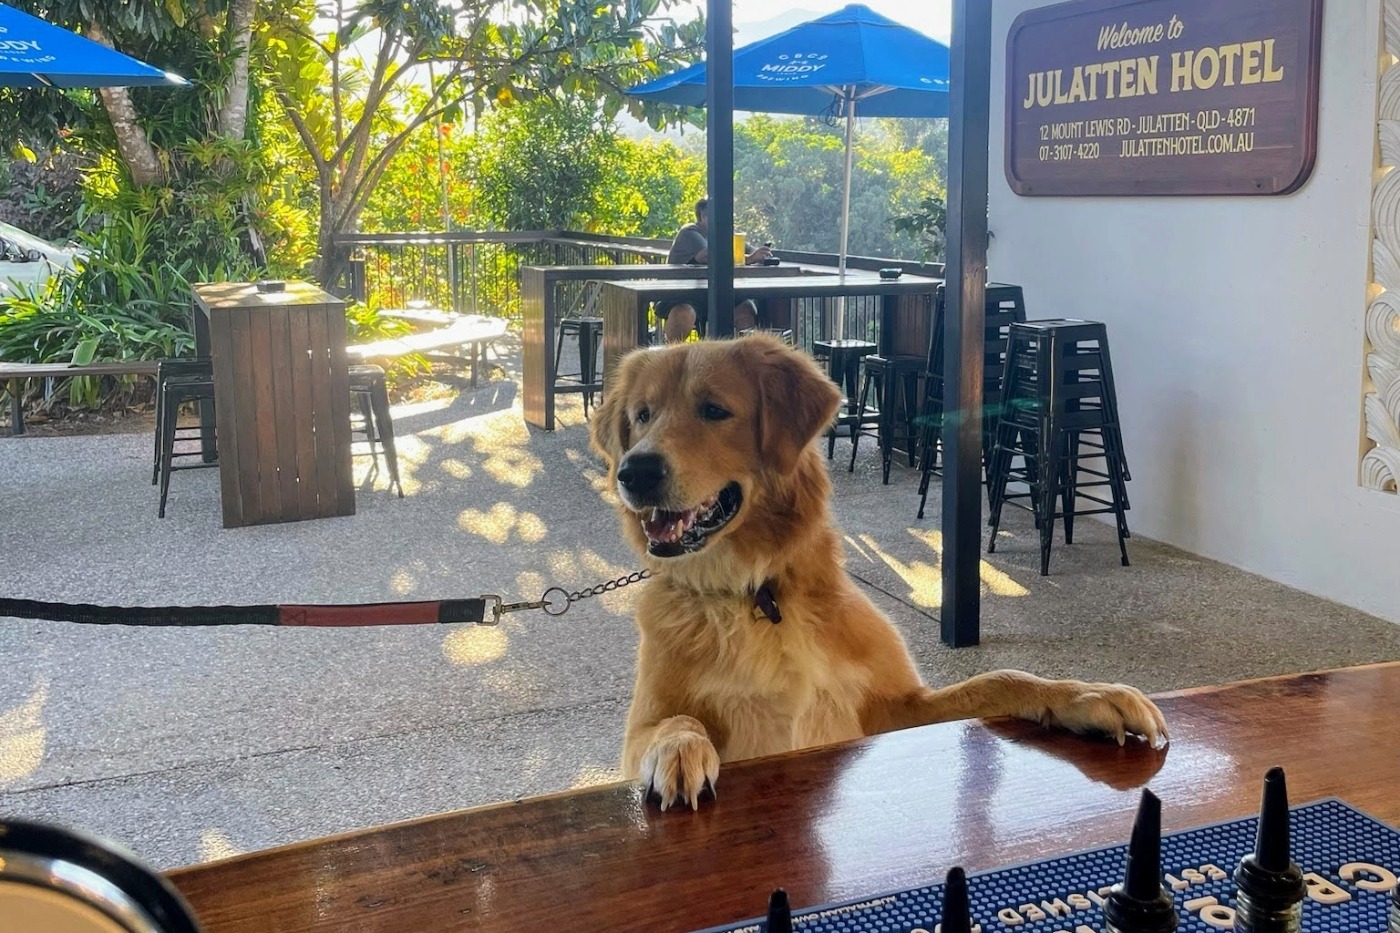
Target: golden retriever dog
[753, 639]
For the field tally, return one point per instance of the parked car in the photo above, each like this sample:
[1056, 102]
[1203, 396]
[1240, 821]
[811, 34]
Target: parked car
[27, 261]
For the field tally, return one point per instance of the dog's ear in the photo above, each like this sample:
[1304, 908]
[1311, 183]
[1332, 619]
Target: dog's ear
[796, 400]
[610, 428]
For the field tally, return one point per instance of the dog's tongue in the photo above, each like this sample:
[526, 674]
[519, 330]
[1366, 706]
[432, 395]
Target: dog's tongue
[662, 526]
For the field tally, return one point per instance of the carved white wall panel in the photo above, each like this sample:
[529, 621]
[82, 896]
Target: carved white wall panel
[1380, 456]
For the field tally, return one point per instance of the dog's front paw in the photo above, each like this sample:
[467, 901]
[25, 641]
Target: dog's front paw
[679, 763]
[1111, 709]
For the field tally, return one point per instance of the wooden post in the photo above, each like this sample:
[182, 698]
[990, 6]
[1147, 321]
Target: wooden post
[719, 131]
[965, 312]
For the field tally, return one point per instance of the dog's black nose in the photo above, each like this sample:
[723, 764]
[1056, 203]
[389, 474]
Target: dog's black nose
[642, 474]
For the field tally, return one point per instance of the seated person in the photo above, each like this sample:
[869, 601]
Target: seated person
[692, 248]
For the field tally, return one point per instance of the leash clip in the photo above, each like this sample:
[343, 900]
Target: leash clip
[557, 607]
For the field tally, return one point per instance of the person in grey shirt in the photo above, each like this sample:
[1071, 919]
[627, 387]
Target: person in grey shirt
[690, 247]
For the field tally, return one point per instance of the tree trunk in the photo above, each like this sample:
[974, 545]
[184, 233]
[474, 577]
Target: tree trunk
[232, 119]
[332, 261]
[133, 144]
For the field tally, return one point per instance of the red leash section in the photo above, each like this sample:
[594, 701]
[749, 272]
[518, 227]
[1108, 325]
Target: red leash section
[383, 614]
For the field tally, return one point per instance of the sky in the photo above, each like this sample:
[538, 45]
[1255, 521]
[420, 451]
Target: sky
[931, 17]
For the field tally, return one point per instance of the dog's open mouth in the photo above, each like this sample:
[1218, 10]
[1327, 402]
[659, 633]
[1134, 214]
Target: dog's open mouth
[671, 534]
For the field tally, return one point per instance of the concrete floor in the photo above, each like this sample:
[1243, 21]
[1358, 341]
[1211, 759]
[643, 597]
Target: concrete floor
[192, 744]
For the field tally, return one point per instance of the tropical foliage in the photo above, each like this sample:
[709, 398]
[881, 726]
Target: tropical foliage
[307, 119]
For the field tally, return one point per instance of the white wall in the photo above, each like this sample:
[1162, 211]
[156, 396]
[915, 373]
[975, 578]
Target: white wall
[1236, 331]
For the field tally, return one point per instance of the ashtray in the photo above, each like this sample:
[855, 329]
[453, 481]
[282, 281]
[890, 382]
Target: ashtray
[771, 261]
[891, 272]
[271, 285]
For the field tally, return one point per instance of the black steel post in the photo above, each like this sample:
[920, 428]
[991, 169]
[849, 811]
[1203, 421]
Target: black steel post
[965, 320]
[719, 130]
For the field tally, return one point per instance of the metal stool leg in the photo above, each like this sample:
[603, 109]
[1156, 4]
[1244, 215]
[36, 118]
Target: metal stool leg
[169, 418]
[379, 401]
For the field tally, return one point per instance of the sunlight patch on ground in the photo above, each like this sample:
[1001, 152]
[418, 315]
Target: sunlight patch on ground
[22, 737]
[402, 582]
[412, 454]
[502, 440]
[994, 581]
[529, 584]
[471, 645]
[456, 469]
[590, 469]
[215, 844]
[502, 523]
[578, 569]
[924, 578]
[925, 584]
[593, 776]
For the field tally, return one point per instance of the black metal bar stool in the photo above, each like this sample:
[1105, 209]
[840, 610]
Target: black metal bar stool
[895, 380]
[175, 392]
[1061, 419]
[1005, 305]
[372, 393]
[843, 365]
[588, 331]
[185, 367]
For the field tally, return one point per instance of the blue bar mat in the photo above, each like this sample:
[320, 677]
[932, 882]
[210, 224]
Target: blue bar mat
[1350, 859]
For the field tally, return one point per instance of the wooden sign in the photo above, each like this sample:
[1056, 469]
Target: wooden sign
[1163, 97]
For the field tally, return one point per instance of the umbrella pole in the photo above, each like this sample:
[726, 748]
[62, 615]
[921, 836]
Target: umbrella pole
[846, 208]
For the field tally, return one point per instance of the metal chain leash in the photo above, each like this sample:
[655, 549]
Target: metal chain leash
[556, 600]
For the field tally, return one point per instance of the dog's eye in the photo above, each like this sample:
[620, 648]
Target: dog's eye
[643, 415]
[712, 412]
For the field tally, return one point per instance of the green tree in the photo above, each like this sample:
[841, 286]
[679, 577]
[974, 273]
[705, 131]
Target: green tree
[206, 39]
[338, 86]
[541, 164]
[789, 178]
[649, 189]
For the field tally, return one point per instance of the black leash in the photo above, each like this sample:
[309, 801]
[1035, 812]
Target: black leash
[486, 609]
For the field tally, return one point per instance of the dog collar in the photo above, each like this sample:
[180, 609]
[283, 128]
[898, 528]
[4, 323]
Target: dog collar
[765, 602]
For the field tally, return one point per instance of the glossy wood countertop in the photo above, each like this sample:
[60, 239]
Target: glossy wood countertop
[828, 824]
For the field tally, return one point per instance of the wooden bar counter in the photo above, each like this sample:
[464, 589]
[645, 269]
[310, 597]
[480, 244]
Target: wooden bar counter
[828, 824]
[539, 303]
[906, 306]
[282, 394]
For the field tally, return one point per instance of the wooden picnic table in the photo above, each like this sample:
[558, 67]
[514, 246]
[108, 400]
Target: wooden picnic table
[828, 824]
[282, 393]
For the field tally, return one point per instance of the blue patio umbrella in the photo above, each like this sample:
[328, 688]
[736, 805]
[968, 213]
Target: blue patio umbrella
[35, 53]
[853, 59]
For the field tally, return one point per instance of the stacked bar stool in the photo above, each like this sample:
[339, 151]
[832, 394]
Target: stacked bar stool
[185, 367]
[895, 380]
[172, 392]
[588, 331]
[1061, 421]
[1005, 306]
[843, 358]
[371, 391]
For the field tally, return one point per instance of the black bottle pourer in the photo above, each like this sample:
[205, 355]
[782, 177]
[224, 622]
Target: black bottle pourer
[957, 915]
[1140, 904]
[1269, 882]
[779, 913]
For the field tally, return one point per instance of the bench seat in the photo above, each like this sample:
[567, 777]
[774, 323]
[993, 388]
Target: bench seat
[12, 374]
[469, 333]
